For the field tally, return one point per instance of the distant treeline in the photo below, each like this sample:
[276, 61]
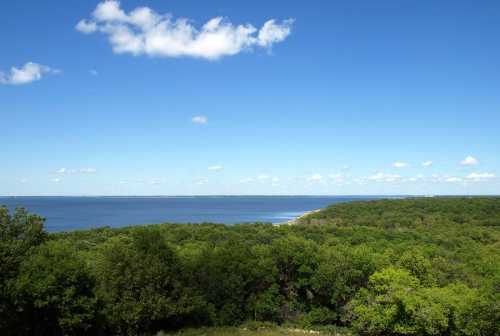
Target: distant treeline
[391, 267]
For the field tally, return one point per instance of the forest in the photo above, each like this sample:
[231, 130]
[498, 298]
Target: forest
[415, 266]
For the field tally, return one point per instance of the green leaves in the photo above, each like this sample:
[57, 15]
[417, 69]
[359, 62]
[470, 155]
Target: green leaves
[55, 284]
[405, 267]
[395, 302]
[138, 282]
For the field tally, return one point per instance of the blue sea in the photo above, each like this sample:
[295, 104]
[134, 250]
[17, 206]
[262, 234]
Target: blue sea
[75, 213]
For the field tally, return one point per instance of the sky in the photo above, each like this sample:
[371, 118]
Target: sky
[186, 97]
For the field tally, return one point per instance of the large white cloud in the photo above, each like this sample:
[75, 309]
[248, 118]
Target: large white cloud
[28, 73]
[145, 32]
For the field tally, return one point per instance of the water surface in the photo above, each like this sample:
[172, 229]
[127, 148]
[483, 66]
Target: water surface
[72, 213]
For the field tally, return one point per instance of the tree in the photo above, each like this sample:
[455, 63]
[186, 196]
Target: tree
[19, 235]
[55, 290]
[139, 283]
[342, 270]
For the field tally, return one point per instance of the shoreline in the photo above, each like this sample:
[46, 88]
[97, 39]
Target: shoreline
[297, 219]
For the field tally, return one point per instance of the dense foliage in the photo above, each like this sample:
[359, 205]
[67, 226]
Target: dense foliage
[389, 267]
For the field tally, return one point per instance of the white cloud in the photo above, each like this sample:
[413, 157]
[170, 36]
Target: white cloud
[28, 73]
[271, 32]
[453, 179]
[246, 180]
[23, 180]
[56, 180]
[74, 171]
[399, 164]
[263, 177]
[215, 168]
[94, 72]
[86, 27]
[145, 32]
[383, 177]
[478, 177]
[427, 163]
[469, 161]
[199, 119]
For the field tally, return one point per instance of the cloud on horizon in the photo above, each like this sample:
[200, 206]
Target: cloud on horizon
[75, 171]
[384, 177]
[215, 168]
[479, 177]
[146, 32]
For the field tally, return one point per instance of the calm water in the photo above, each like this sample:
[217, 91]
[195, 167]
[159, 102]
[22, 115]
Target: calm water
[72, 213]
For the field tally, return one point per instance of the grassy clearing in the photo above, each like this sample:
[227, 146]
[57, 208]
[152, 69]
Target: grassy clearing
[244, 331]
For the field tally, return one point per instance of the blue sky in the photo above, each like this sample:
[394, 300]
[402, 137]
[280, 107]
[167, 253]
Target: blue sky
[331, 97]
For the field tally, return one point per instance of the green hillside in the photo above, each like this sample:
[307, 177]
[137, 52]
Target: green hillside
[426, 266]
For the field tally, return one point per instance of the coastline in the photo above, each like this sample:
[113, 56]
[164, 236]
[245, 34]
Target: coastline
[297, 219]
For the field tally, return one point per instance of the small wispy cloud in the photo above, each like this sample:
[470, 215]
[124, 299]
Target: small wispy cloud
[201, 181]
[56, 180]
[453, 179]
[427, 163]
[399, 164]
[384, 177]
[200, 119]
[478, 177]
[146, 32]
[155, 182]
[88, 170]
[315, 178]
[68, 171]
[94, 72]
[28, 73]
[216, 168]
[469, 161]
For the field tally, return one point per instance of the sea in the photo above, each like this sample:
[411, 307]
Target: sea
[68, 213]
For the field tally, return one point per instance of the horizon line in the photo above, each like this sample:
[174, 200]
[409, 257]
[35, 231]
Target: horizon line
[257, 195]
